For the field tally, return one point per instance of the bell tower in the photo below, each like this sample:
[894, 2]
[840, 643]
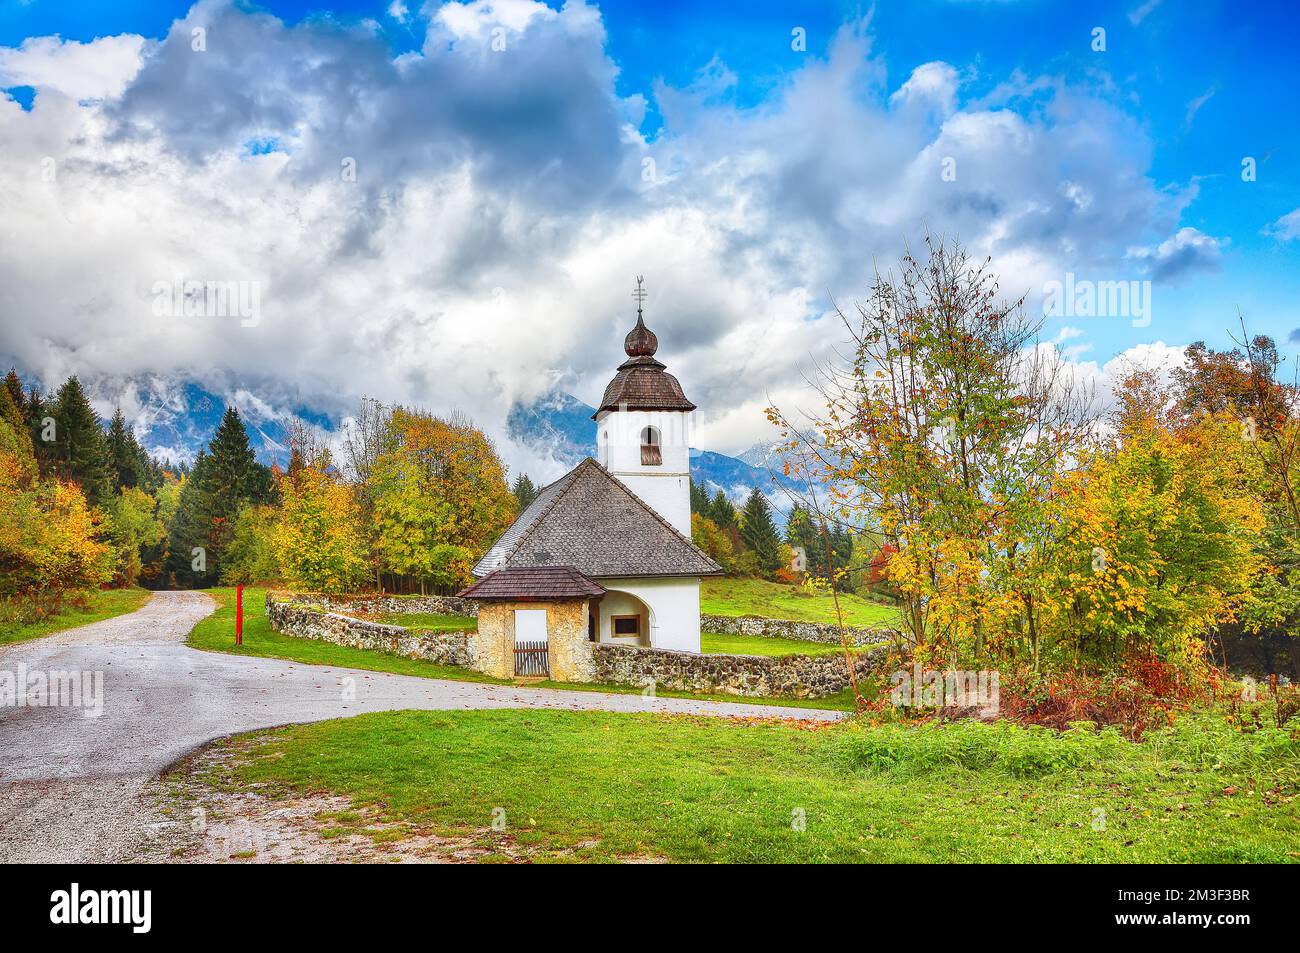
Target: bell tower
[643, 427]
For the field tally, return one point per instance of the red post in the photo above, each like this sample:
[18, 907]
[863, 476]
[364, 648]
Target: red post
[239, 615]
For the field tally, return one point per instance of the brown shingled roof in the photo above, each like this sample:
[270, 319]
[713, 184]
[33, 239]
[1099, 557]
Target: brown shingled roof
[589, 520]
[533, 583]
[641, 382]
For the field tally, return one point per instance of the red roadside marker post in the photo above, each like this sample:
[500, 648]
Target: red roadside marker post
[239, 615]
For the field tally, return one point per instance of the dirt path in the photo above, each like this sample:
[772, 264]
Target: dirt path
[75, 786]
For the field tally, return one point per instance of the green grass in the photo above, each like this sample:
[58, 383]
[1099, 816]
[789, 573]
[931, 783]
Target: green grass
[840, 701]
[216, 633]
[740, 596]
[601, 786]
[714, 644]
[98, 605]
[427, 621]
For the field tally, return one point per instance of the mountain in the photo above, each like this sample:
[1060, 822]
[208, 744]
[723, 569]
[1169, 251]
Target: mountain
[560, 425]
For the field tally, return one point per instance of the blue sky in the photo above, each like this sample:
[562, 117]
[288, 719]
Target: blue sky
[1146, 139]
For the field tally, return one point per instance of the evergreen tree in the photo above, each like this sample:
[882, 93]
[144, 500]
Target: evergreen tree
[15, 388]
[234, 478]
[802, 530]
[189, 563]
[127, 460]
[225, 478]
[524, 490]
[759, 532]
[80, 451]
[699, 499]
[721, 511]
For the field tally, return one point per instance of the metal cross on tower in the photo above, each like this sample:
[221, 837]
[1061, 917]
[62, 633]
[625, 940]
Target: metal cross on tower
[639, 294]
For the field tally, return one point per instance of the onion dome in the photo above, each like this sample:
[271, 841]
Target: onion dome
[640, 341]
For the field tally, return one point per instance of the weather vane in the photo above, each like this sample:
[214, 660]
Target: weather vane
[639, 294]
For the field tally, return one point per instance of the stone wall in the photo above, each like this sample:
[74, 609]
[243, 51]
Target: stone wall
[384, 605]
[826, 633]
[445, 648]
[791, 676]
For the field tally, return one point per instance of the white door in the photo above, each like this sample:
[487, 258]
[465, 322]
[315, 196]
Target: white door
[530, 625]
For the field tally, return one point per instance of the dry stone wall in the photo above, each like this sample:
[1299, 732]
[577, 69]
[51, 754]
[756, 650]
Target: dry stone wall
[384, 605]
[444, 648]
[790, 676]
[823, 632]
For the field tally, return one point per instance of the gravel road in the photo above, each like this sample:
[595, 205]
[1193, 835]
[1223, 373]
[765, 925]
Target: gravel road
[74, 788]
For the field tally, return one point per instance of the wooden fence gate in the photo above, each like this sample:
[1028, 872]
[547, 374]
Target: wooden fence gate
[531, 658]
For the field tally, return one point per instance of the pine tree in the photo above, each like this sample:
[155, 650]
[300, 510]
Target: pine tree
[759, 532]
[721, 511]
[234, 478]
[524, 490]
[15, 388]
[124, 453]
[699, 498]
[225, 478]
[80, 452]
[189, 543]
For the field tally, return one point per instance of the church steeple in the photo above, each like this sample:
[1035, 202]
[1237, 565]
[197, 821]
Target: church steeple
[643, 426]
[641, 382]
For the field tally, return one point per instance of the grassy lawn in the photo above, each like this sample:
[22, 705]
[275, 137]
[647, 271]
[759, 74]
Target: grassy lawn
[600, 786]
[714, 644]
[99, 605]
[216, 633]
[427, 621]
[772, 600]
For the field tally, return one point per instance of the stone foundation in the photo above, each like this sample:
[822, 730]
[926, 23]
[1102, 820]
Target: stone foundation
[824, 632]
[790, 676]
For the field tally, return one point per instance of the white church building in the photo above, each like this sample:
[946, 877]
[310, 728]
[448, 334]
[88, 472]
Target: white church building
[603, 554]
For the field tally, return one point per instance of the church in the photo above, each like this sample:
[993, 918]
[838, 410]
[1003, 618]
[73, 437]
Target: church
[603, 555]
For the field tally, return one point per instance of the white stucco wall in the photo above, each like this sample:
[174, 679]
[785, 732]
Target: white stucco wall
[665, 488]
[674, 606]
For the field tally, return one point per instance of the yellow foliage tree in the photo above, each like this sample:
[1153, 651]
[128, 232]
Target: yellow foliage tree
[319, 540]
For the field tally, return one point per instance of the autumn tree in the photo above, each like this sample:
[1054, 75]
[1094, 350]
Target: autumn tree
[52, 542]
[320, 543]
[133, 527]
[945, 428]
[1156, 533]
[715, 543]
[252, 556]
[440, 497]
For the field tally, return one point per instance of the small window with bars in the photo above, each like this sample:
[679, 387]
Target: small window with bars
[650, 454]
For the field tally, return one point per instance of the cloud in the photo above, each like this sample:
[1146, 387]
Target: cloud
[459, 226]
[1187, 250]
[99, 69]
[1286, 228]
[1140, 12]
[1195, 105]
